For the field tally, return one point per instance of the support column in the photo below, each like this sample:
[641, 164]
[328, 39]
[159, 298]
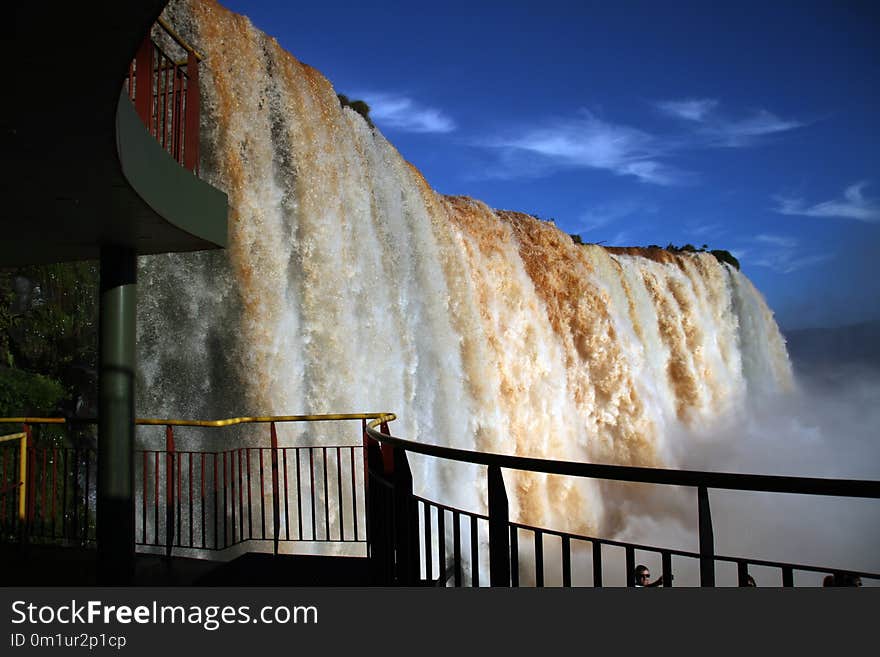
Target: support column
[707, 538]
[116, 371]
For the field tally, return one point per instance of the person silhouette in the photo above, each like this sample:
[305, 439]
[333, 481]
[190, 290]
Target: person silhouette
[842, 579]
[642, 577]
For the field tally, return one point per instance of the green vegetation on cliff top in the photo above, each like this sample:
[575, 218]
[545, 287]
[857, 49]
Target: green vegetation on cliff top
[721, 255]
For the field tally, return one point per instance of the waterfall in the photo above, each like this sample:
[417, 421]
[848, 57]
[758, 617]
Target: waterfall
[349, 285]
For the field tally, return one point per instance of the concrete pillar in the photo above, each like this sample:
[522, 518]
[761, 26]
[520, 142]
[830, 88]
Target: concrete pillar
[116, 371]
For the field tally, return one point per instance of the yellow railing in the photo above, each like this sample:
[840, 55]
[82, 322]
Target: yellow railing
[178, 39]
[377, 418]
[22, 470]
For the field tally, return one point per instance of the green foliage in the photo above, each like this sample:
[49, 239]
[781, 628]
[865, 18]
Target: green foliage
[720, 254]
[577, 239]
[48, 335]
[28, 394]
[359, 106]
[725, 256]
[546, 220]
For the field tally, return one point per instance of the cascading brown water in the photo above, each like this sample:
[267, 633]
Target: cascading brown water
[349, 285]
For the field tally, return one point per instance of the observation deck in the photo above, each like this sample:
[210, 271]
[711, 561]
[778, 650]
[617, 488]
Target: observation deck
[100, 154]
[80, 171]
[259, 509]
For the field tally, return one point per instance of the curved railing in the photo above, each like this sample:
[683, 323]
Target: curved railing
[413, 549]
[165, 93]
[358, 492]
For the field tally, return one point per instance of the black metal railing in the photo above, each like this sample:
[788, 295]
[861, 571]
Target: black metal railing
[363, 493]
[415, 541]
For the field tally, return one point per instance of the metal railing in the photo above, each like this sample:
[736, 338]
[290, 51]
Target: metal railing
[165, 93]
[214, 500]
[360, 492]
[46, 492]
[199, 500]
[13, 477]
[420, 541]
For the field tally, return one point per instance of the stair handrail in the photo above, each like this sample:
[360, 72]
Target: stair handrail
[390, 466]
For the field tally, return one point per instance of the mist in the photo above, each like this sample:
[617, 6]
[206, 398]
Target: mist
[826, 427]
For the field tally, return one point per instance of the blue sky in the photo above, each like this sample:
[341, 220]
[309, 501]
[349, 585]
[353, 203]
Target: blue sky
[746, 126]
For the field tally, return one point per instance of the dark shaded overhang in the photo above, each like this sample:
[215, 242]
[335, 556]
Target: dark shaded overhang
[79, 168]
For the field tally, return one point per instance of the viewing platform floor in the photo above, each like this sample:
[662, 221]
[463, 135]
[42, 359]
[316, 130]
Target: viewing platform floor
[42, 565]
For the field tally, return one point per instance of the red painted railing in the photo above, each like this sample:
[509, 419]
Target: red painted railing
[214, 500]
[185, 499]
[165, 93]
[55, 500]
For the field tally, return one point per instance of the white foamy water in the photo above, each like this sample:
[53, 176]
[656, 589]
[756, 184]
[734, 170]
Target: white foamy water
[350, 286]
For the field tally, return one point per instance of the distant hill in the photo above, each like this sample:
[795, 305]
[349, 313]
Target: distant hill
[857, 344]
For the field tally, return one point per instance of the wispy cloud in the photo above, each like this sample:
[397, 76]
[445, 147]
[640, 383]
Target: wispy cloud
[717, 128]
[400, 112]
[709, 230]
[605, 214]
[781, 253]
[651, 171]
[691, 109]
[622, 238]
[777, 240]
[589, 142]
[853, 205]
[785, 262]
[760, 123]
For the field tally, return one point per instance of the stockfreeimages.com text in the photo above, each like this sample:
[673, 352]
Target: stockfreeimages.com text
[211, 617]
